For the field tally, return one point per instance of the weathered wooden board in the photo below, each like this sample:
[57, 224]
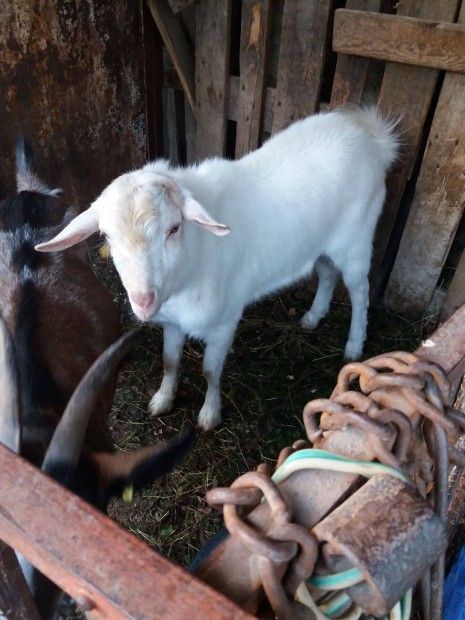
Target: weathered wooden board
[350, 77]
[213, 22]
[87, 554]
[15, 599]
[255, 30]
[153, 55]
[73, 79]
[400, 39]
[437, 207]
[456, 292]
[177, 46]
[407, 92]
[302, 56]
[179, 5]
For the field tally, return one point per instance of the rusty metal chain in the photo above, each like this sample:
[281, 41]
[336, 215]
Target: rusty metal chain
[402, 405]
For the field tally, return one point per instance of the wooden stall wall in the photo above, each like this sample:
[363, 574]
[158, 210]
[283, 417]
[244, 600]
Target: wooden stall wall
[72, 76]
[258, 65]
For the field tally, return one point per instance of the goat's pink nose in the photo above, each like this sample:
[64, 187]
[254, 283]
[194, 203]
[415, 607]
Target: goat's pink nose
[143, 300]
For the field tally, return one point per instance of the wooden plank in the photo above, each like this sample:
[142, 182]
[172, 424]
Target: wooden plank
[179, 5]
[153, 52]
[456, 293]
[446, 347]
[91, 557]
[173, 126]
[213, 23]
[15, 599]
[255, 31]
[233, 103]
[407, 40]
[301, 60]
[178, 47]
[407, 92]
[437, 207]
[351, 72]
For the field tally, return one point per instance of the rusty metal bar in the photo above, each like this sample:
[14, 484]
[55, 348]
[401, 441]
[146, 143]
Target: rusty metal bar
[107, 570]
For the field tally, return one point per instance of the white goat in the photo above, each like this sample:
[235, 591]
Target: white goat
[309, 197]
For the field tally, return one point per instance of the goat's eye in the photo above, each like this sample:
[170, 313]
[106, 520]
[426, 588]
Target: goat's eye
[173, 230]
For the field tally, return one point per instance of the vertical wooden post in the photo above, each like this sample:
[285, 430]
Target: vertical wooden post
[438, 204]
[408, 90]
[255, 31]
[213, 23]
[301, 60]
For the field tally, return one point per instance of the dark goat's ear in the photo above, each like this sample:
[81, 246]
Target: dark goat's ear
[10, 392]
[121, 472]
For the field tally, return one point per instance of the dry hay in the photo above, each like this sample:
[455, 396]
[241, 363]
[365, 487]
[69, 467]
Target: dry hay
[275, 367]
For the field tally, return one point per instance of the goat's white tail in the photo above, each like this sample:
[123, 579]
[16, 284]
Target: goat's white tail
[382, 129]
[26, 179]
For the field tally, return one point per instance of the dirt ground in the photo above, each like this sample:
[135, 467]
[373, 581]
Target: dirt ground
[274, 369]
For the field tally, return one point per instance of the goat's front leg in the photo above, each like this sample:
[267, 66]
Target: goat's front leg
[173, 341]
[216, 350]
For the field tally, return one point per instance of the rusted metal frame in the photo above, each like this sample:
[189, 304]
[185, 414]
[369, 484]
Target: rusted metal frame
[107, 570]
[15, 599]
[446, 348]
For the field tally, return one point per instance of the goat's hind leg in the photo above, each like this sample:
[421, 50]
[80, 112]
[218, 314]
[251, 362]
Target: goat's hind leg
[327, 278]
[355, 276]
[173, 341]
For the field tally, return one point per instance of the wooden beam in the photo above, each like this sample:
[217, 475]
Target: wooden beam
[405, 40]
[407, 92]
[177, 6]
[437, 207]
[456, 292]
[350, 77]
[92, 558]
[302, 56]
[15, 599]
[213, 23]
[177, 45]
[255, 31]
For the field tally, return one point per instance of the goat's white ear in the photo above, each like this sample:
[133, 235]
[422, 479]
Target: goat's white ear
[194, 212]
[84, 225]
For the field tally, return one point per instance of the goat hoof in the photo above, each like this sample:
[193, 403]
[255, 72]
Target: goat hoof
[352, 352]
[208, 419]
[309, 322]
[159, 404]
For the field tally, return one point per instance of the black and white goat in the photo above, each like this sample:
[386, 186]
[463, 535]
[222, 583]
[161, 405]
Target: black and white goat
[58, 322]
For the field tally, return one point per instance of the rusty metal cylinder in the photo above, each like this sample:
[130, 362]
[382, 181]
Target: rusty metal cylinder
[389, 533]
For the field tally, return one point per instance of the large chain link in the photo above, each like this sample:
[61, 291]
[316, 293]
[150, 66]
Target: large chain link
[402, 405]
